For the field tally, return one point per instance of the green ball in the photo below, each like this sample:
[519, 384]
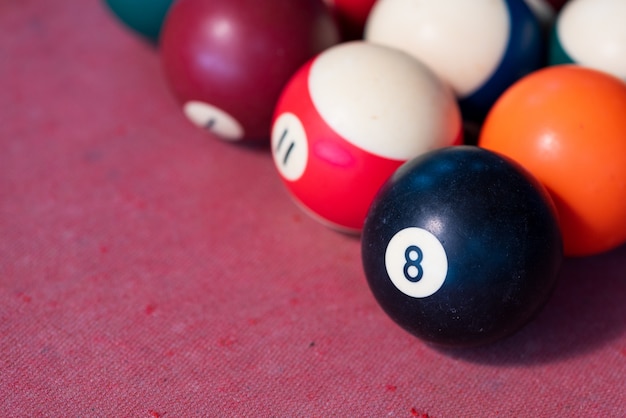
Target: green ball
[556, 53]
[143, 16]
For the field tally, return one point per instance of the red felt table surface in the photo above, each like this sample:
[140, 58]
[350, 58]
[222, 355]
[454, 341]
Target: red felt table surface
[149, 270]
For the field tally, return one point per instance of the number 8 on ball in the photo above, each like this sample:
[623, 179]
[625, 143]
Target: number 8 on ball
[416, 262]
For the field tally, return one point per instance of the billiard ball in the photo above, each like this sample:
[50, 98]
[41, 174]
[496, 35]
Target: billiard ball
[544, 11]
[566, 125]
[352, 15]
[461, 247]
[479, 47]
[348, 118]
[546, 8]
[227, 61]
[142, 16]
[593, 34]
[557, 4]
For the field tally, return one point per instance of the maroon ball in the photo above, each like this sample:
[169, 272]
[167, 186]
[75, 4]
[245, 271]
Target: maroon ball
[227, 61]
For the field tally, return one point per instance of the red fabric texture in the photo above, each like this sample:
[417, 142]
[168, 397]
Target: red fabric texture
[149, 270]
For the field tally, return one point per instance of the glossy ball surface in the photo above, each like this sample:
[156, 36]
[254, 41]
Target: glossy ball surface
[352, 15]
[480, 49]
[348, 119]
[227, 61]
[544, 11]
[591, 33]
[566, 125]
[558, 4]
[461, 247]
[142, 16]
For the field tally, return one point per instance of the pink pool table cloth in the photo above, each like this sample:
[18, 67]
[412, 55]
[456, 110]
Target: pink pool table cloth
[150, 270]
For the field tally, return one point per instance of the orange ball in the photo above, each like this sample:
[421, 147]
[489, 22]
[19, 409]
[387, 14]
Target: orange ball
[567, 125]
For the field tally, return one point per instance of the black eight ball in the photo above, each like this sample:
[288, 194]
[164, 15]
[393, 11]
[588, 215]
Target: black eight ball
[461, 246]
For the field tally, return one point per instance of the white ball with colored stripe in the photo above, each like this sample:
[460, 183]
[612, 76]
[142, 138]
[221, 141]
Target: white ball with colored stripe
[479, 47]
[348, 119]
[591, 33]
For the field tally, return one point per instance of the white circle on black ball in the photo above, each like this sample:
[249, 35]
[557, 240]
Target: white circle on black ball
[416, 262]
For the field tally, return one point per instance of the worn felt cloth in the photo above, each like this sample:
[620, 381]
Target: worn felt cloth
[150, 270]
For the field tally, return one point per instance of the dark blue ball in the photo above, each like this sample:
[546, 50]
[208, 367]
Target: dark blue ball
[524, 53]
[461, 247]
